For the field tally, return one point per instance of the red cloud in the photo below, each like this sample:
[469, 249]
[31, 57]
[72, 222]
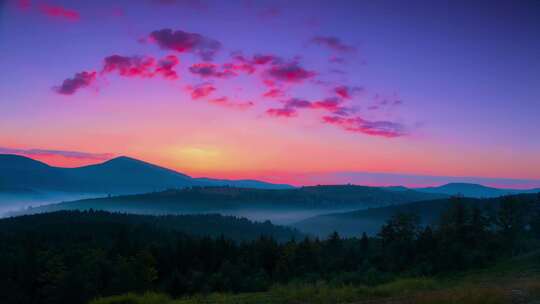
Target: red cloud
[184, 42]
[200, 91]
[129, 66]
[206, 69]
[80, 80]
[273, 93]
[329, 104]
[333, 43]
[346, 92]
[60, 12]
[359, 125]
[166, 65]
[242, 67]
[343, 92]
[136, 66]
[285, 112]
[290, 72]
[225, 102]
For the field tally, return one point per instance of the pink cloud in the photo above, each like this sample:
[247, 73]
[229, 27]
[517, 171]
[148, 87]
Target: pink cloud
[225, 102]
[274, 93]
[60, 12]
[165, 67]
[330, 104]
[137, 66]
[346, 92]
[284, 112]
[71, 85]
[201, 91]
[357, 124]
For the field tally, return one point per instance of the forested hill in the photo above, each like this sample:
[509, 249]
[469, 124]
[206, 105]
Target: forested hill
[74, 257]
[94, 224]
[204, 199]
[354, 223]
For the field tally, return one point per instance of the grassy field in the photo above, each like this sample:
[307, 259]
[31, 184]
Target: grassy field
[515, 281]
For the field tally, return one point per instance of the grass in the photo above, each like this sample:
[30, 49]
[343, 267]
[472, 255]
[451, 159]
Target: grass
[503, 283]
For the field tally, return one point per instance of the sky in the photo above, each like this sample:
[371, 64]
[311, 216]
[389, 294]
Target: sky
[302, 92]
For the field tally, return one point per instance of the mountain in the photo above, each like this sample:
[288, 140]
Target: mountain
[298, 202]
[354, 223]
[121, 175]
[473, 190]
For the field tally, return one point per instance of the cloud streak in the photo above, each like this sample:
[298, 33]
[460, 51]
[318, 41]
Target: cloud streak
[62, 153]
[60, 12]
[71, 85]
[333, 43]
[359, 125]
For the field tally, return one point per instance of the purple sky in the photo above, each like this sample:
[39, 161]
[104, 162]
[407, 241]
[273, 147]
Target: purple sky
[418, 87]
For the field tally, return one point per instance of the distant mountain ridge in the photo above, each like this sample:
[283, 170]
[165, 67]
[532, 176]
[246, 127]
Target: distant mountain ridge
[121, 175]
[226, 199]
[474, 190]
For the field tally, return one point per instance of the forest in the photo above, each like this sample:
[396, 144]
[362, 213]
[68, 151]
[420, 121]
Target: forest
[47, 258]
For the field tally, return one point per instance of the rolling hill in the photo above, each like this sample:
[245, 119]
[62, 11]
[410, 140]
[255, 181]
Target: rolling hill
[354, 223]
[232, 200]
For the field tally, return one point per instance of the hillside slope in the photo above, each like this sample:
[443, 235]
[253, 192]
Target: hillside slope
[223, 199]
[370, 220]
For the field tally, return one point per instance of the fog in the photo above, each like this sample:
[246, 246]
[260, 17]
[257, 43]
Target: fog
[280, 217]
[16, 203]
[11, 205]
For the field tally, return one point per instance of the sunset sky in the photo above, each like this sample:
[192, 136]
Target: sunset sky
[301, 92]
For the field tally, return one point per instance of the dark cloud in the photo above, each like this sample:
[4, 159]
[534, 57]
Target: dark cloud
[133, 66]
[184, 42]
[291, 106]
[193, 4]
[207, 70]
[290, 72]
[72, 85]
[333, 43]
